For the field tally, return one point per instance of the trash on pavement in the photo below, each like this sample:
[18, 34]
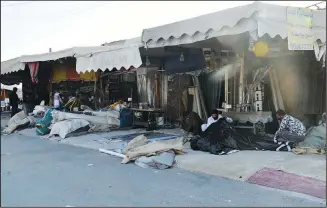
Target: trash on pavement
[153, 148]
[134, 143]
[315, 140]
[161, 161]
[112, 153]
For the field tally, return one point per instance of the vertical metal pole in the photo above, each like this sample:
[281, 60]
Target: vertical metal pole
[226, 88]
[241, 87]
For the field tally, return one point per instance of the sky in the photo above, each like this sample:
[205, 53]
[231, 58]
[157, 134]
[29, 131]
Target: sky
[35, 26]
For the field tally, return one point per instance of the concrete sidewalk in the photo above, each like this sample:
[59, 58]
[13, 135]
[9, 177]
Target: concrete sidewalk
[238, 166]
[243, 164]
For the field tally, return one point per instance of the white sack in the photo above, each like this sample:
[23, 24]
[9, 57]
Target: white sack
[17, 120]
[110, 113]
[86, 108]
[39, 109]
[63, 128]
[119, 107]
[96, 120]
[17, 117]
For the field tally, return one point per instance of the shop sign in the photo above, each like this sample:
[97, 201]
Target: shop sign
[300, 36]
[299, 17]
[300, 39]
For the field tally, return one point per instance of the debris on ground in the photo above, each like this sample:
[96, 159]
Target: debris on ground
[159, 154]
[315, 140]
[161, 161]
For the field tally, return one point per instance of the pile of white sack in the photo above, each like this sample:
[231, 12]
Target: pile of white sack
[64, 123]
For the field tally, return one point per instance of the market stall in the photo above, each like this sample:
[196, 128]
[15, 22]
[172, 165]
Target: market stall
[274, 47]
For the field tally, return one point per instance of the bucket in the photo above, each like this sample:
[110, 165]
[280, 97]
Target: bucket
[160, 121]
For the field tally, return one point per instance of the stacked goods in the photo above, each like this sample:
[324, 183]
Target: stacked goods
[73, 103]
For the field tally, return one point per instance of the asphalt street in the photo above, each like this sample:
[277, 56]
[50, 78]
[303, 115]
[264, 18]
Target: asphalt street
[36, 172]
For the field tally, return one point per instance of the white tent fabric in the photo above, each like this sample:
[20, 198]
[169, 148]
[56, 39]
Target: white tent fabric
[124, 57]
[11, 87]
[263, 18]
[87, 58]
[11, 65]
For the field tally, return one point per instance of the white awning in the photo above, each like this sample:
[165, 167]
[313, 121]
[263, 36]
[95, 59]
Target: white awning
[263, 18]
[11, 65]
[118, 58]
[87, 58]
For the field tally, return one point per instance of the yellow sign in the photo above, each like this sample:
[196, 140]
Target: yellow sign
[260, 49]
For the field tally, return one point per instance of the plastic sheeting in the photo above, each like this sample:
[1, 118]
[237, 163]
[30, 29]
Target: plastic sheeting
[315, 138]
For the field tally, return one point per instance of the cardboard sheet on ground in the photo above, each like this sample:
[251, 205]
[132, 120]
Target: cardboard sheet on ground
[136, 142]
[155, 147]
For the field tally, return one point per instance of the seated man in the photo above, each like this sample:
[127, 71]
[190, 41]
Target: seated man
[215, 116]
[290, 129]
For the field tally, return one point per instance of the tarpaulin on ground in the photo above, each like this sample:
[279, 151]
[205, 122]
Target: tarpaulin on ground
[222, 138]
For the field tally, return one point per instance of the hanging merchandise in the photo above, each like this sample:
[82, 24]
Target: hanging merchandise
[89, 76]
[34, 69]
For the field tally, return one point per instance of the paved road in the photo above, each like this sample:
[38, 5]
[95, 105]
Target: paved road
[37, 172]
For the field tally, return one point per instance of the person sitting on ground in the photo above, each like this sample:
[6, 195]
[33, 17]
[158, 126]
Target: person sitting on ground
[215, 116]
[290, 129]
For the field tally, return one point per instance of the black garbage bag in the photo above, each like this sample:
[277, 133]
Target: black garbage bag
[192, 123]
[221, 138]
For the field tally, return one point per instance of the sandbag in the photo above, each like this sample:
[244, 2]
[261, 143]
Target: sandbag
[18, 120]
[65, 127]
[86, 108]
[110, 113]
[38, 109]
[15, 125]
[17, 117]
[104, 120]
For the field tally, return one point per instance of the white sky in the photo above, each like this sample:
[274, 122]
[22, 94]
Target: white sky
[34, 27]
